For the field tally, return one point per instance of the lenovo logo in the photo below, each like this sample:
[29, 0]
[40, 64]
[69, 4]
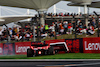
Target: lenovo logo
[92, 46]
[21, 49]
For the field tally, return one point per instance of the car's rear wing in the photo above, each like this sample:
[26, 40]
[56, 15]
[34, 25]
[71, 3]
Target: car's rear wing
[51, 44]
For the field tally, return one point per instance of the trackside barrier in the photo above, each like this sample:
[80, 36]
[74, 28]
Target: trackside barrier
[18, 48]
[83, 45]
[8, 49]
[74, 45]
[1, 49]
[91, 45]
[21, 47]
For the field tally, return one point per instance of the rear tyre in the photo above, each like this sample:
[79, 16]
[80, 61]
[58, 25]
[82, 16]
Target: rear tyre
[30, 52]
[51, 51]
[56, 51]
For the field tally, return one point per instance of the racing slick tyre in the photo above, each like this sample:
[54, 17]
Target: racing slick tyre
[30, 52]
[51, 51]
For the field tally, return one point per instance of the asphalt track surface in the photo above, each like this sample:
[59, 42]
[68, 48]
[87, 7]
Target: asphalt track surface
[50, 63]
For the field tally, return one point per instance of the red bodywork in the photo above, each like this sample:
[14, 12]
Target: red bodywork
[39, 46]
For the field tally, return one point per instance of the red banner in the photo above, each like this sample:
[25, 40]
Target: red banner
[8, 49]
[91, 45]
[1, 49]
[21, 47]
[73, 45]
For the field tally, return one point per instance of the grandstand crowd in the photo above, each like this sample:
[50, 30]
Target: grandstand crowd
[58, 28]
[66, 14]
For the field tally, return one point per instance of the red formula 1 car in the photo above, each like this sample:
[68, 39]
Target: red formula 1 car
[38, 48]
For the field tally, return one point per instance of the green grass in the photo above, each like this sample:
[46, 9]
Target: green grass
[57, 56]
[70, 36]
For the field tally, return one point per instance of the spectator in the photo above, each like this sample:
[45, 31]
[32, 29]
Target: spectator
[90, 30]
[13, 37]
[10, 32]
[70, 28]
[78, 22]
[50, 29]
[93, 22]
[57, 27]
[53, 28]
[42, 29]
[51, 34]
[65, 27]
[84, 29]
[31, 36]
[1, 32]
[18, 36]
[43, 35]
[27, 36]
[46, 28]
[61, 28]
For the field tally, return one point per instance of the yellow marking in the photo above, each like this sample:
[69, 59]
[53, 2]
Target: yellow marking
[61, 65]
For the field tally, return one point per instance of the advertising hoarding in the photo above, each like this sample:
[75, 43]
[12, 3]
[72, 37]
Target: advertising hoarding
[21, 47]
[91, 45]
[1, 49]
[8, 49]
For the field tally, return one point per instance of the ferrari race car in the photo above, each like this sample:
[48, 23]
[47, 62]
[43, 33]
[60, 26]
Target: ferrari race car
[39, 48]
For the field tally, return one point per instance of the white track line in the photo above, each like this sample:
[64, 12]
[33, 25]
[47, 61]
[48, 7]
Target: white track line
[51, 60]
[71, 65]
[87, 64]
